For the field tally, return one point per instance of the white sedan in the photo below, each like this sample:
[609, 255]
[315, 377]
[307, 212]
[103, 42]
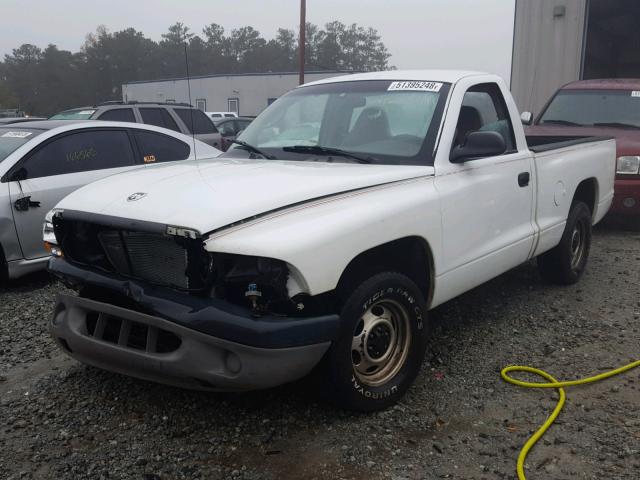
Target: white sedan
[43, 161]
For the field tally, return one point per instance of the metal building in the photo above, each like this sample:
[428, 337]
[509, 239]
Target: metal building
[559, 41]
[245, 94]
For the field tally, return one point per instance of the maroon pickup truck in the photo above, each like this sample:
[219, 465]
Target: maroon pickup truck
[601, 108]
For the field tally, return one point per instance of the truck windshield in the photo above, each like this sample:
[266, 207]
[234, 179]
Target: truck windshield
[13, 138]
[589, 108]
[79, 114]
[379, 120]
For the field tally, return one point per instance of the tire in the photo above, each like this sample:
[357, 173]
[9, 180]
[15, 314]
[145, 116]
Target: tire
[565, 264]
[381, 345]
[4, 269]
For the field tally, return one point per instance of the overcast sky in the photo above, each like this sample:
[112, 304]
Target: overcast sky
[470, 34]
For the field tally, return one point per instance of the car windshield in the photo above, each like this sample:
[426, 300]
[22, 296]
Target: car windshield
[384, 121]
[613, 108]
[79, 114]
[13, 138]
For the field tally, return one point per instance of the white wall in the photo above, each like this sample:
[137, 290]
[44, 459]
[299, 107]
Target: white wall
[253, 91]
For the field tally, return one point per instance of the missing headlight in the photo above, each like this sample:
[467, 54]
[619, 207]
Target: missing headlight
[255, 282]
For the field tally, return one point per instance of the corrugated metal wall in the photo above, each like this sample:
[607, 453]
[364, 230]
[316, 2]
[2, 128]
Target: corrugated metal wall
[547, 49]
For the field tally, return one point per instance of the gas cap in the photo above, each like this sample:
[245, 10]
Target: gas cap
[559, 194]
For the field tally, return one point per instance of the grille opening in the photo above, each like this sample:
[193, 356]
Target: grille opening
[167, 342]
[138, 336]
[111, 328]
[92, 321]
[135, 335]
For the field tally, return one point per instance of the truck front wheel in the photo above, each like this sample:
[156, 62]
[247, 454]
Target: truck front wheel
[381, 346]
[566, 263]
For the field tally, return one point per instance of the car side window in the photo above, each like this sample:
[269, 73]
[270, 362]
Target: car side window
[156, 147]
[242, 124]
[484, 109]
[159, 117]
[81, 152]
[119, 115]
[196, 121]
[227, 129]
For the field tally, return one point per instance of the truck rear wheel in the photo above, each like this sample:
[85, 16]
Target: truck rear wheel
[4, 269]
[381, 346]
[565, 264]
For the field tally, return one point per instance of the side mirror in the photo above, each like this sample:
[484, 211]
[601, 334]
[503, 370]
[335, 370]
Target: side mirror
[479, 144]
[526, 118]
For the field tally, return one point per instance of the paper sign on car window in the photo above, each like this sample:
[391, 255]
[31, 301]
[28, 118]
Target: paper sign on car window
[16, 134]
[149, 158]
[86, 112]
[635, 93]
[415, 86]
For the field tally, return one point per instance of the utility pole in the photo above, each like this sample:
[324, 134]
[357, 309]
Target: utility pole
[302, 40]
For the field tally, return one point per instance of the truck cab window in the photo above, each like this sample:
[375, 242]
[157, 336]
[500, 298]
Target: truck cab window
[484, 109]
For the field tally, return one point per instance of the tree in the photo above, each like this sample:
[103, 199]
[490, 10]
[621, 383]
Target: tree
[43, 82]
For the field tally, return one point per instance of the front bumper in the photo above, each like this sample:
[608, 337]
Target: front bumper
[182, 340]
[626, 200]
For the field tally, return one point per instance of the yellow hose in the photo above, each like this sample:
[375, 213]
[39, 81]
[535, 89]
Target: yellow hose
[551, 383]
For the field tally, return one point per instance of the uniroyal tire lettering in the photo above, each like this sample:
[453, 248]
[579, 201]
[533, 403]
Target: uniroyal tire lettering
[369, 394]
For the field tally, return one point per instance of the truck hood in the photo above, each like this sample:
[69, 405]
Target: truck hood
[207, 195]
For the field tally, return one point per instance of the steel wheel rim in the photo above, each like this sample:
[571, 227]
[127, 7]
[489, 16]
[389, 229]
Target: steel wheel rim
[380, 343]
[577, 245]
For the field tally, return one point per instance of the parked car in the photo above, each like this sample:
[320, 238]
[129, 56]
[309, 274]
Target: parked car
[41, 162]
[179, 117]
[217, 115]
[229, 128]
[8, 120]
[607, 108]
[354, 205]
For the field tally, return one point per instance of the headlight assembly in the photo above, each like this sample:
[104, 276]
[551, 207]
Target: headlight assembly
[628, 165]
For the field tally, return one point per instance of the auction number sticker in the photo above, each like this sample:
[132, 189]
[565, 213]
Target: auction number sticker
[415, 86]
[86, 112]
[16, 134]
[635, 93]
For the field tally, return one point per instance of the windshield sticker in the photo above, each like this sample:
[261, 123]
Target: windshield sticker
[149, 158]
[635, 93]
[86, 112]
[16, 134]
[415, 86]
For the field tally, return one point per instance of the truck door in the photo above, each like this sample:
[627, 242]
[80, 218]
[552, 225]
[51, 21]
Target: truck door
[58, 167]
[487, 203]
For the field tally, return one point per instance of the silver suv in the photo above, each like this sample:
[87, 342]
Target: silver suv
[180, 117]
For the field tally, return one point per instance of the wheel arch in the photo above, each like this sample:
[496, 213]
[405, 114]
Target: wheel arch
[411, 256]
[587, 191]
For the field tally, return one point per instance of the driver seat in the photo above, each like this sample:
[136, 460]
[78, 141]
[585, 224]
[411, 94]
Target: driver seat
[372, 125]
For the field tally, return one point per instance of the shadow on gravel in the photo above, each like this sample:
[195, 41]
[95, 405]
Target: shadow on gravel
[618, 223]
[28, 283]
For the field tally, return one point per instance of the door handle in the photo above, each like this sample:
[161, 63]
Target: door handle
[523, 179]
[25, 203]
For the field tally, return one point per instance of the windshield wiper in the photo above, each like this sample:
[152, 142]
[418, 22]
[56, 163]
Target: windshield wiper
[320, 150]
[564, 122]
[616, 125]
[253, 149]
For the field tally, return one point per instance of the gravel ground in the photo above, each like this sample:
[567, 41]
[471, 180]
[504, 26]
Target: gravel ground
[63, 420]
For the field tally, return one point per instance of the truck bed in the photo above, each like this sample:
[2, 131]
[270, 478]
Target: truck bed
[544, 143]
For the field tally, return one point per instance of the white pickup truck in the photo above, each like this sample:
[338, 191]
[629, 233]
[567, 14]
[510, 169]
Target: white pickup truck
[319, 242]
